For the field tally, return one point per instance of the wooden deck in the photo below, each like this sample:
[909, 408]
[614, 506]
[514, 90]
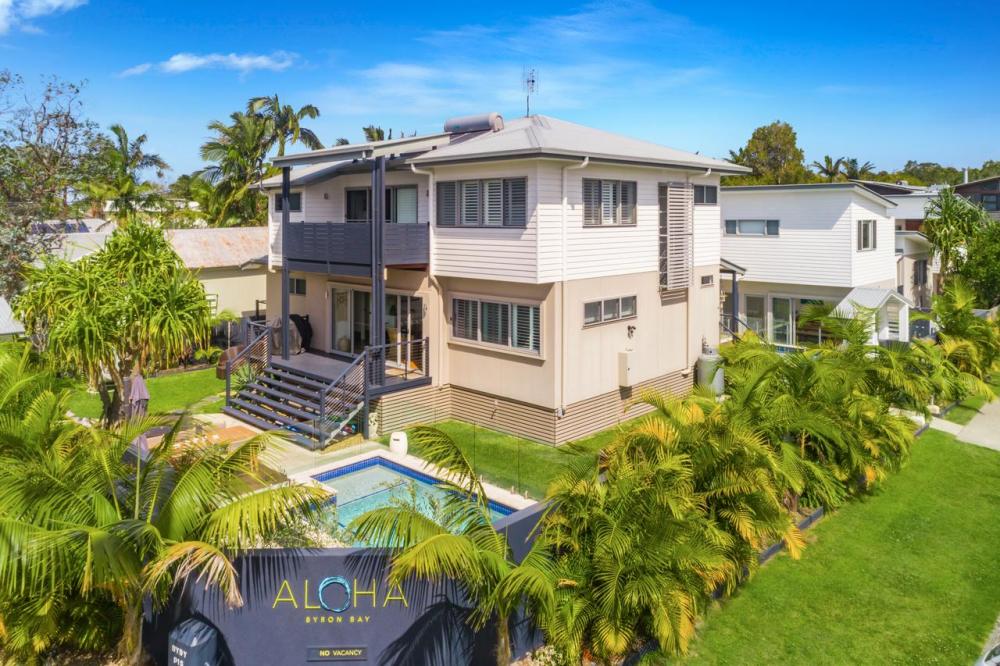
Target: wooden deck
[327, 368]
[316, 365]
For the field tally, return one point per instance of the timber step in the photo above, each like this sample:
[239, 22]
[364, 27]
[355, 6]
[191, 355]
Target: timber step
[277, 420]
[295, 378]
[284, 396]
[278, 406]
[301, 440]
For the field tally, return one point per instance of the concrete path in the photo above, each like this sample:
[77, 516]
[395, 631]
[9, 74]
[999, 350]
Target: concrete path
[944, 425]
[984, 428]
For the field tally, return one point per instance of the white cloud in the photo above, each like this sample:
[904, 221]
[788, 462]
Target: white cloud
[579, 56]
[244, 63]
[19, 12]
[136, 70]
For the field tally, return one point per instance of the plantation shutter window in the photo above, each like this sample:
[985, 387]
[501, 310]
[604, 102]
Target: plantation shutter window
[493, 195]
[591, 202]
[471, 214]
[515, 208]
[493, 202]
[676, 230]
[447, 204]
[526, 328]
[465, 319]
[495, 323]
[608, 202]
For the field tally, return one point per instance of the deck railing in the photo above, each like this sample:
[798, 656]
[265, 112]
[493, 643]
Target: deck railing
[252, 359]
[326, 244]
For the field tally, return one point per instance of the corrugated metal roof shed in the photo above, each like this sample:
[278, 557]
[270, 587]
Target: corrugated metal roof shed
[218, 248]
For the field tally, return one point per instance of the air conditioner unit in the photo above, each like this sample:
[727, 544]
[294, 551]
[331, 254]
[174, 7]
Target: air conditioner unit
[626, 365]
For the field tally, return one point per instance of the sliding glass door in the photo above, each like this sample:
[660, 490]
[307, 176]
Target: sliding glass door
[782, 323]
[351, 311]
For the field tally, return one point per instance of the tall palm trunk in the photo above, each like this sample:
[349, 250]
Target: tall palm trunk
[503, 643]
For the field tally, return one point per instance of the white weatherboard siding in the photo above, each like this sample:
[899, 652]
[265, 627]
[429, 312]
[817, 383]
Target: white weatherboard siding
[910, 206]
[600, 251]
[489, 253]
[814, 245]
[878, 266]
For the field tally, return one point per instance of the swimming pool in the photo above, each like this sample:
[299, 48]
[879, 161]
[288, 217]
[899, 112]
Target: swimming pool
[377, 482]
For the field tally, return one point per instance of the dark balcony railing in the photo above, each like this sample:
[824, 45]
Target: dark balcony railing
[328, 245]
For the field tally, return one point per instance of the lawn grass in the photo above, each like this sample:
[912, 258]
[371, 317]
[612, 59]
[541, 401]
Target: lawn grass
[963, 412]
[908, 575]
[509, 461]
[198, 389]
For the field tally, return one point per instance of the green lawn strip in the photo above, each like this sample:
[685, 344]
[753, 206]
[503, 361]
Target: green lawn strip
[908, 575]
[168, 393]
[963, 412]
[509, 461]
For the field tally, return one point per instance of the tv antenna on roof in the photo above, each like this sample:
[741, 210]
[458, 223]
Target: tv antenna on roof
[529, 79]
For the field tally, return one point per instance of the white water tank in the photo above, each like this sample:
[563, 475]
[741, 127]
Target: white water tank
[480, 122]
[710, 371]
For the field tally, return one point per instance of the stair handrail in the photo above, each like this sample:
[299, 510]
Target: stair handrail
[324, 394]
[261, 344]
[739, 322]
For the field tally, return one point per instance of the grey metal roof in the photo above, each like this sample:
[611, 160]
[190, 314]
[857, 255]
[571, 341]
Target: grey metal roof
[218, 248]
[868, 297]
[814, 187]
[309, 173]
[543, 136]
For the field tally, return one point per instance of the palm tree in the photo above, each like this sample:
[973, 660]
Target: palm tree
[461, 545]
[120, 181]
[238, 154]
[85, 535]
[949, 221]
[634, 554]
[375, 133]
[971, 343]
[829, 168]
[854, 171]
[286, 122]
[342, 142]
[737, 477]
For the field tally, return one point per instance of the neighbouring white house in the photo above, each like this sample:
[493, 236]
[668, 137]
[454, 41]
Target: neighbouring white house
[795, 245]
[530, 275]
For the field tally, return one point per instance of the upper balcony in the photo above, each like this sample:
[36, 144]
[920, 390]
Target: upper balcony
[345, 248]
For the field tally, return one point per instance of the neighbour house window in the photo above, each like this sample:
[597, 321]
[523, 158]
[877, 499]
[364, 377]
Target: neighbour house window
[753, 227]
[866, 235]
[294, 202]
[497, 323]
[991, 202]
[707, 195]
[400, 204]
[609, 309]
[494, 202]
[707, 280]
[297, 286]
[608, 202]
[920, 272]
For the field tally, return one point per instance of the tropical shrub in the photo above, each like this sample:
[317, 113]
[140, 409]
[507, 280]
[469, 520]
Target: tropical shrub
[86, 534]
[130, 306]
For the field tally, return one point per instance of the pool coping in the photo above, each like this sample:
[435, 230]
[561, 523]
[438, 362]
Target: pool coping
[418, 466]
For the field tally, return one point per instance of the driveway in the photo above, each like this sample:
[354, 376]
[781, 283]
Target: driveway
[984, 428]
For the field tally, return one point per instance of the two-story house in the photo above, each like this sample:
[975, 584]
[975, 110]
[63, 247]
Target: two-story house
[796, 245]
[531, 276]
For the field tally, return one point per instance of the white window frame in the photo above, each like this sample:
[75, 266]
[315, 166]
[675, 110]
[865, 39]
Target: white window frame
[512, 304]
[617, 216]
[705, 189]
[873, 235]
[739, 232]
[602, 313]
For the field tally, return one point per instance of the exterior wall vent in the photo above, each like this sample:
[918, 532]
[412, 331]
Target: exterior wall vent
[481, 122]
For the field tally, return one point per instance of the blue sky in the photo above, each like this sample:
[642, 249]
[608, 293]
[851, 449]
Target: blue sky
[881, 81]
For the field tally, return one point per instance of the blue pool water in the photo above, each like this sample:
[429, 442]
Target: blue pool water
[377, 482]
